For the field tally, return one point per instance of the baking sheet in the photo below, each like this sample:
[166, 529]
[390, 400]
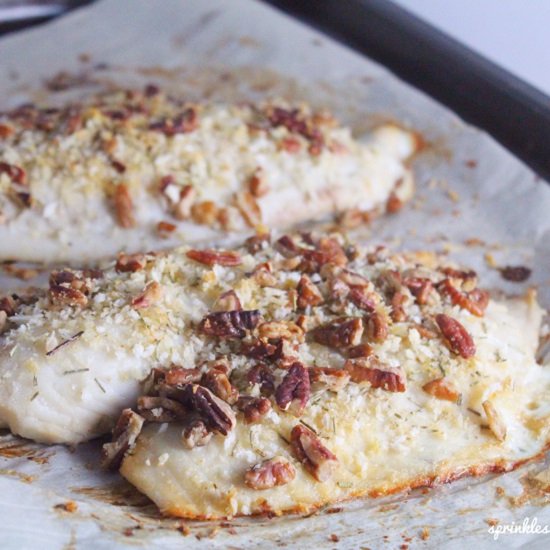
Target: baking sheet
[468, 188]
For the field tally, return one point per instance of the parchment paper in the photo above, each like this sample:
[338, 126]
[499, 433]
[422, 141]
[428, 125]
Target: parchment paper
[468, 188]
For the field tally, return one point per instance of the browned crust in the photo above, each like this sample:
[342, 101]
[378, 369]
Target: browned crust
[430, 481]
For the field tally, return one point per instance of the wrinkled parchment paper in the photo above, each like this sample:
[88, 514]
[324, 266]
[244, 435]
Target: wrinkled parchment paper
[474, 202]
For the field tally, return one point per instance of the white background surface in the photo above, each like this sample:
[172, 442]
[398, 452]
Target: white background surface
[512, 33]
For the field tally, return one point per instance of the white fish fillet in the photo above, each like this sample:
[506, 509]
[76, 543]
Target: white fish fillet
[61, 173]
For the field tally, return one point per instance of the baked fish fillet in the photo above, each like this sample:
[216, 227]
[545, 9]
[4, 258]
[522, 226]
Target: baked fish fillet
[133, 170]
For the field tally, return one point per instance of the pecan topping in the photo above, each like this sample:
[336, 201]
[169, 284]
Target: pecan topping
[270, 473]
[258, 349]
[263, 276]
[214, 257]
[205, 212]
[261, 374]
[286, 330]
[6, 131]
[8, 304]
[15, 173]
[293, 392]
[475, 302]
[66, 296]
[249, 208]
[376, 373]
[217, 414]
[341, 333]
[255, 243]
[420, 288]
[185, 122]
[314, 456]
[515, 274]
[230, 324]
[287, 247]
[308, 293]
[125, 434]
[160, 409]
[393, 204]
[254, 408]
[195, 433]
[327, 251]
[165, 229]
[363, 299]
[442, 389]
[182, 208]
[456, 336]
[398, 313]
[178, 376]
[362, 350]
[467, 280]
[130, 263]
[228, 301]
[218, 383]
[327, 377]
[150, 295]
[495, 420]
[124, 206]
[377, 327]
[257, 184]
[290, 145]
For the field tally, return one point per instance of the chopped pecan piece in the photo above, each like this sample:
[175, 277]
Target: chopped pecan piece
[258, 349]
[256, 243]
[330, 378]
[287, 247]
[151, 294]
[315, 457]
[254, 408]
[66, 296]
[341, 333]
[362, 350]
[228, 301]
[249, 208]
[352, 279]
[6, 131]
[8, 304]
[378, 374]
[218, 383]
[442, 389]
[124, 206]
[276, 330]
[178, 376]
[215, 257]
[205, 212]
[363, 299]
[394, 203]
[182, 208]
[261, 374]
[495, 420]
[130, 263]
[475, 306]
[165, 229]
[270, 473]
[294, 391]
[308, 293]
[377, 327]
[15, 173]
[125, 434]
[515, 274]
[217, 414]
[185, 122]
[456, 336]
[398, 312]
[230, 324]
[195, 433]
[327, 251]
[257, 184]
[160, 409]
[290, 145]
[420, 288]
[263, 276]
[467, 280]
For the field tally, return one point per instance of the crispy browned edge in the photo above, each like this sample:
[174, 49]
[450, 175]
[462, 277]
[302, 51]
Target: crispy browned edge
[430, 481]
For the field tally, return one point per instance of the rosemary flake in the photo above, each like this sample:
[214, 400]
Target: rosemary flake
[65, 342]
[99, 384]
[35, 396]
[74, 371]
